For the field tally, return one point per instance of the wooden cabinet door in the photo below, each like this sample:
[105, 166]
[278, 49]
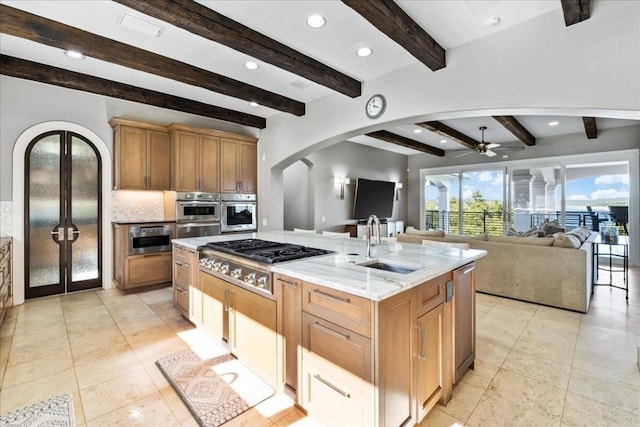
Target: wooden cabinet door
[158, 161]
[290, 291]
[247, 167]
[149, 269]
[429, 351]
[464, 330]
[214, 304]
[131, 158]
[185, 162]
[209, 159]
[252, 333]
[229, 166]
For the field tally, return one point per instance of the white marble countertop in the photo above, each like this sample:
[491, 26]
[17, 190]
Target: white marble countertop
[341, 270]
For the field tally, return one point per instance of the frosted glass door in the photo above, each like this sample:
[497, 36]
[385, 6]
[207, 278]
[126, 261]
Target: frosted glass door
[63, 208]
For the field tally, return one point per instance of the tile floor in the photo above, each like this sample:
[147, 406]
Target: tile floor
[535, 365]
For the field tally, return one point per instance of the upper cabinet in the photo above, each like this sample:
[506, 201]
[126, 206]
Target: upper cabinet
[196, 158]
[238, 166]
[142, 155]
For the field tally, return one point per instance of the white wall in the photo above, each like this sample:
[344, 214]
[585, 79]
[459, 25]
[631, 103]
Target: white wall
[344, 159]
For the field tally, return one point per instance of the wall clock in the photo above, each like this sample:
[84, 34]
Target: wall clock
[376, 106]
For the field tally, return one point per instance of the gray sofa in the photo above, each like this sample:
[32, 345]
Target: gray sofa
[537, 270]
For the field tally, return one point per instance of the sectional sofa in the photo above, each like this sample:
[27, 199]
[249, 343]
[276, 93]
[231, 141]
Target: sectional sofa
[554, 271]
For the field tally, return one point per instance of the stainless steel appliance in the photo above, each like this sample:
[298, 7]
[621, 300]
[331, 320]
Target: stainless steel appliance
[246, 262]
[197, 214]
[145, 239]
[238, 213]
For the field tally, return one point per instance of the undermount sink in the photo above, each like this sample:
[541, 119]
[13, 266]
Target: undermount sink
[379, 265]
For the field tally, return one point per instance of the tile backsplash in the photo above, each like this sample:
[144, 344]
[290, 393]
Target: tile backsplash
[6, 218]
[137, 206]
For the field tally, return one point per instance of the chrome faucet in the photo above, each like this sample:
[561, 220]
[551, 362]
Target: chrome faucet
[373, 220]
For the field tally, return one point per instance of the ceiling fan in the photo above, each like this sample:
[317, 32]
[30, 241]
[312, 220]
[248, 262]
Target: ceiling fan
[486, 148]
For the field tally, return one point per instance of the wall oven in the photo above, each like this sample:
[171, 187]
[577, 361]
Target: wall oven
[238, 213]
[197, 214]
[146, 239]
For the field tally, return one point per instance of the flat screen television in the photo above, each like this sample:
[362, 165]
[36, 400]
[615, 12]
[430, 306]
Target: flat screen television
[373, 197]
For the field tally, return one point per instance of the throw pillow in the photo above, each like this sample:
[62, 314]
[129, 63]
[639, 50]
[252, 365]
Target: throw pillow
[513, 232]
[431, 233]
[532, 232]
[567, 241]
[520, 240]
[550, 229]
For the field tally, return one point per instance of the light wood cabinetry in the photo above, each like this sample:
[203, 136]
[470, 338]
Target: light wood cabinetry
[6, 289]
[142, 155]
[134, 271]
[429, 370]
[195, 159]
[464, 325]
[289, 291]
[187, 294]
[238, 165]
[246, 320]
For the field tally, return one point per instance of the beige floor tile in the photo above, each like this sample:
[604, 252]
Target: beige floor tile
[100, 323]
[150, 411]
[38, 368]
[106, 369]
[32, 392]
[482, 374]
[539, 368]
[492, 331]
[43, 333]
[563, 316]
[495, 412]
[31, 351]
[554, 345]
[465, 398]
[491, 352]
[250, 418]
[190, 422]
[141, 323]
[158, 378]
[619, 363]
[150, 336]
[8, 327]
[150, 353]
[437, 418]
[545, 324]
[85, 312]
[157, 296]
[605, 390]
[582, 411]
[531, 393]
[5, 347]
[131, 314]
[275, 407]
[90, 351]
[521, 306]
[110, 395]
[77, 409]
[175, 403]
[295, 417]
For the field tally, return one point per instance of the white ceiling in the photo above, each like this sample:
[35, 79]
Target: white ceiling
[450, 22]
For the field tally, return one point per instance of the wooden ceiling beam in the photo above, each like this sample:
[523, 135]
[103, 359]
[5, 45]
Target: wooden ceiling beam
[448, 132]
[20, 68]
[590, 127]
[208, 23]
[41, 30]
[575, 11]
[516, 128]
[387, 136]
[390, 19]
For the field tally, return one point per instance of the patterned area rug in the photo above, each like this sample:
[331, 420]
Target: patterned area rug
[56, 411]
[214, 390]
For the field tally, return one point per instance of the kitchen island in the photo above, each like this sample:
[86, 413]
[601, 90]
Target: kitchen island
[355, 340]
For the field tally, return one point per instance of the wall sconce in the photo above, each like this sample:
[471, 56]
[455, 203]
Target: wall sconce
[398, 188]
[342, 181]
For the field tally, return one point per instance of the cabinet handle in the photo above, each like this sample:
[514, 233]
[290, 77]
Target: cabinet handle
[144, 181]
[469, 270]
[180, 290]
[423, 343]
[181, 264]
[288, 283]
[332, 332]
[150, 255]
[226, 299]
[335, 298]
[328, 384]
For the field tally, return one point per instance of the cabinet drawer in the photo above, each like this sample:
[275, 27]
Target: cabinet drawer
[431, 294]
[181, 254]
[181, 299]
[182, 273]
[341, 308]
[336, 348]
[149, 269]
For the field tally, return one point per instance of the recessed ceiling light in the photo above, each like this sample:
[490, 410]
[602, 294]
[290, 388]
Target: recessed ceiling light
[251, 65]
[74, 54]
[554, 123]
[364, 51]
[443, 141]
[417, 131]
[316, 21]
[254, 104]
[140, 25]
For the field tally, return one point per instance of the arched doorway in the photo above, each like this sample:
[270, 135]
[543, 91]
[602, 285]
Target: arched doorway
[62, 226]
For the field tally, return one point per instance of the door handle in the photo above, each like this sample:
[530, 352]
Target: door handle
[71, 233]
[59, 234]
